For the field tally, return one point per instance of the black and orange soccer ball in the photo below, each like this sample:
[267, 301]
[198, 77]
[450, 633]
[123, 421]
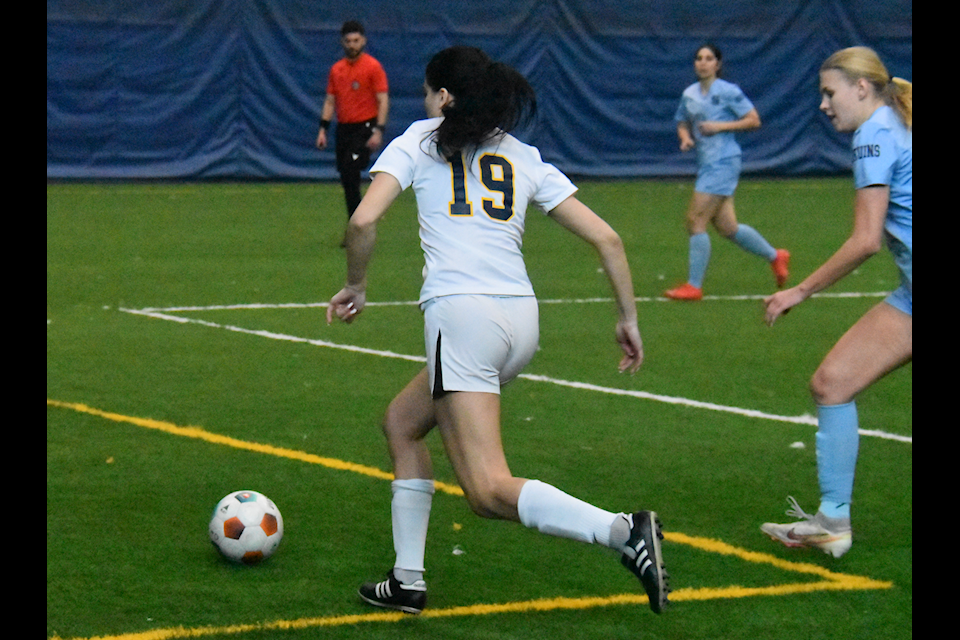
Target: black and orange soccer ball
[246, 527]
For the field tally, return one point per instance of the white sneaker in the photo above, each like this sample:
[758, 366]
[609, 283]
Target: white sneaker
[831, 535]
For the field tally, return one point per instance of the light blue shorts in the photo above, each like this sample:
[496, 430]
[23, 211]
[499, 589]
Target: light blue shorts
[719, 177]
[478, 342]
[902, 299]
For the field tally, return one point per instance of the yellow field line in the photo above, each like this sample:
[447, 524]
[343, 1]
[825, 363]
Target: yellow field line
[832, 581]
[215, 438]
[528, 606]
[716, 546]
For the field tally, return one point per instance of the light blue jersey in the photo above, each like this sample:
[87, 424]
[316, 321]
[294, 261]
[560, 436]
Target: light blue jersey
[724, 102]
[883, 155]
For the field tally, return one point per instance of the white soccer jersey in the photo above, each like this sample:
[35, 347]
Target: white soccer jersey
[472, 209]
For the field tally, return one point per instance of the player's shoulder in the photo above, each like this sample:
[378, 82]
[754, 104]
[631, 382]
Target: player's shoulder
[428, 125]
[510, 146]
[883, 122]
[727, 88]
[692, 91]
[418, 136]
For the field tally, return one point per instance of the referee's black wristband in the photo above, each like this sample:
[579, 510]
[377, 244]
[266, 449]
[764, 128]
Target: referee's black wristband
[324, 124]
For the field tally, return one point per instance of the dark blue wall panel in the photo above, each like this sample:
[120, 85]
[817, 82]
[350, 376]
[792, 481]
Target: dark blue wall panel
[233, 88]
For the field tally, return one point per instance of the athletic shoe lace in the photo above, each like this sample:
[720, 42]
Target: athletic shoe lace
[796, 511]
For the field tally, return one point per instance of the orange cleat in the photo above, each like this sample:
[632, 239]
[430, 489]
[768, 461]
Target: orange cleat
[685, 292]
[779, 267]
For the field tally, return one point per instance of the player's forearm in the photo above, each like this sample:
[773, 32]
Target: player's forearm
[383, 108]
[362, 228]
[848, 257]
[747, 123]
[869, 211]
[360, 240]
[614, 260]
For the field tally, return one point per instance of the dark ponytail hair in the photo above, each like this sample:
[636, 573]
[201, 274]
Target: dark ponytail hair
[489, 98]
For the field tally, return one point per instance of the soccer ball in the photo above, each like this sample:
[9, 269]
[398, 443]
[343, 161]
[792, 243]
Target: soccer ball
[246, 527]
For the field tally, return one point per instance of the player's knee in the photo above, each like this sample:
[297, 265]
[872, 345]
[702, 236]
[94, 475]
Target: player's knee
[397, 421]
[829, 388]
[487, 501]
[481, 505]
[726, 229]
[695, 224]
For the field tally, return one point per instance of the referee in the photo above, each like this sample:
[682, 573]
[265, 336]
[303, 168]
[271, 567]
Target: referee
[357, 92]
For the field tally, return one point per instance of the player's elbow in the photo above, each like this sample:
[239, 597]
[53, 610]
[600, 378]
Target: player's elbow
[866, 245]
[609, 242]
[362, 221]
[871, 248]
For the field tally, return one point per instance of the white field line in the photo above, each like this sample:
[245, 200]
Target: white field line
[413, 303]
[274, 336]
[162, 314]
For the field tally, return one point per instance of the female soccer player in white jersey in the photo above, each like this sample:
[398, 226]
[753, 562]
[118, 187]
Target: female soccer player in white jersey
[859, 96]
[710, 114]
[473, 182]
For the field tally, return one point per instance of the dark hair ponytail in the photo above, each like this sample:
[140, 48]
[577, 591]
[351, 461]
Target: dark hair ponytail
[489, 98]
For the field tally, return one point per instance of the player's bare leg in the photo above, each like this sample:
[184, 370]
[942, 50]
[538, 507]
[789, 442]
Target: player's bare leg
[408, 420]
[470, 426]
[881, 341]
[703, 208]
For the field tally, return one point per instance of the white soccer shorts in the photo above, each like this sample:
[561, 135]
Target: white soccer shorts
[479, 342]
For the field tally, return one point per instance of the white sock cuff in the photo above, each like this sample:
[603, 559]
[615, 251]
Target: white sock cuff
[524, 506]
[415, 484]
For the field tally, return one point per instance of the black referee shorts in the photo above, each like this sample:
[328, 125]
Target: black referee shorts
[353, 156]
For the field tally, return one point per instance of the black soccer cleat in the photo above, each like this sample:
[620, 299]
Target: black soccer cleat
[642, 556]
[391, 594]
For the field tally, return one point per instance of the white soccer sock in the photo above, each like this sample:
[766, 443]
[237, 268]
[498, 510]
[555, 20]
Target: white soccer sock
[551, 511]
[410, 510]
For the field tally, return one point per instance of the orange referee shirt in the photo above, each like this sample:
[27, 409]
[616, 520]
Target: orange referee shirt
[355, 85]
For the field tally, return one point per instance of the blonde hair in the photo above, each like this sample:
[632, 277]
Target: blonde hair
[862, 62]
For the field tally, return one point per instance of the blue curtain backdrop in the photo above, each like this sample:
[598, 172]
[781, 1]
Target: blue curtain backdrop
[199, 89]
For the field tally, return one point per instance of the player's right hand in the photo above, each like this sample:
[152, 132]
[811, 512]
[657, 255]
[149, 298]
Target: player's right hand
[628, 336]
[346, 305]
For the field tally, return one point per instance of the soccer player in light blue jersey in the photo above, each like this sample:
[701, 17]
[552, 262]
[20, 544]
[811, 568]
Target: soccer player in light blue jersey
[710, 114]
[859, 96]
